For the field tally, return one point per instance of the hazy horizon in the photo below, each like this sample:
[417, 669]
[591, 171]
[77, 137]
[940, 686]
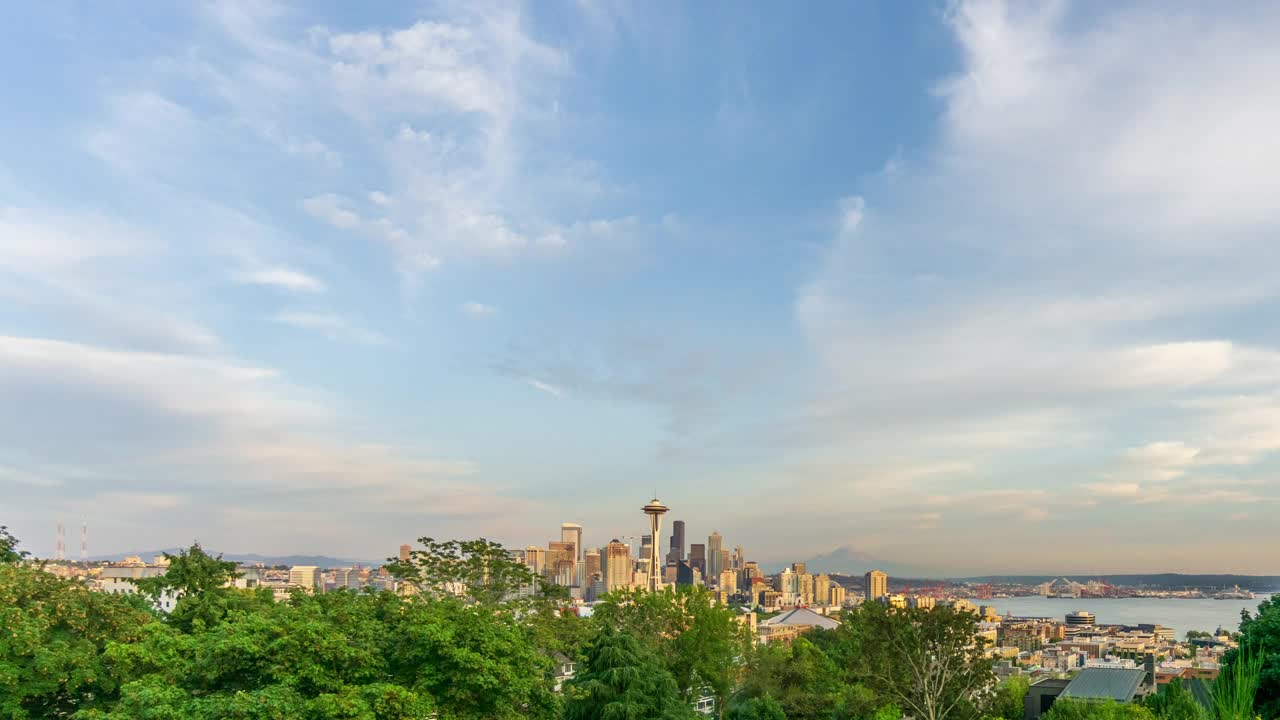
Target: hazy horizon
[962, 284]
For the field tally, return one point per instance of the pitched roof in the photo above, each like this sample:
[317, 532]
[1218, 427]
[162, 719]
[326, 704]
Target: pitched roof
[1106, 683]
[805, 617]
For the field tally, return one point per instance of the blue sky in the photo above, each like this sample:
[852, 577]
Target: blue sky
[967, 285]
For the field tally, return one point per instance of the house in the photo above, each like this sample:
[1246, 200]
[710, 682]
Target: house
[1091, 684]
[790, 624]
[564, 671]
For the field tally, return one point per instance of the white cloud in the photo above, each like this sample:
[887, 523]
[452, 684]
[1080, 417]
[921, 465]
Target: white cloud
[332, 326]
[281, 278]
[1161, 460]
[1114, 489]
[328, 208]
[545, 387]
[1067, 253]
[477, 309]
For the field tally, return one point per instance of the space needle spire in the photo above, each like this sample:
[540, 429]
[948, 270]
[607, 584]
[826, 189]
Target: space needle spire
[655, 510]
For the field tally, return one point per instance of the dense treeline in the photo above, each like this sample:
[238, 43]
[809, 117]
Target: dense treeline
[482, 638]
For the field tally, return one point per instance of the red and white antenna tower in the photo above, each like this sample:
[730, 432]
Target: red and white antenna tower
[60, 551]
[84, 542]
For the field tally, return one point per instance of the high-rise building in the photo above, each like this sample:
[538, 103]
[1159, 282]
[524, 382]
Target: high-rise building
[715, 556]
[676, 553]
[654, 510]
[562, 562]
[728, 582]
[837, 596]
[536, 558]
[684, 573]
[572, 532]
[591, 563]
[798, 568]
[617, 565]
[877, 585]
[698, 557]
[306, 577]
[822, 589]
[739, 557]
[804, 588]
[404, 553]
[646, 548]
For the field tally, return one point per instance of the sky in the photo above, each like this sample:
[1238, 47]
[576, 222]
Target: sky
[971, 286]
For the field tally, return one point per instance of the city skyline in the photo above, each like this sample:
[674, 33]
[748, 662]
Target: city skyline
[973, 287]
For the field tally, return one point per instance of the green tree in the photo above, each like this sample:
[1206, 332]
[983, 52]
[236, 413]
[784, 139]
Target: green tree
[758, 708]
[478, 571]
[624, 680]
[1067, 709]
[340, 655]
[1198, 634]
[929, 662]
[1175, 702]
[53, 639]
[475, 661]
[202, 585]
[1007, 703]
[801, 678]
[701, 643]
[9, 552]
[1236, 691]
[1259, 640]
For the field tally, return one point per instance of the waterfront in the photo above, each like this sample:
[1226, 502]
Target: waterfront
[1181, 615]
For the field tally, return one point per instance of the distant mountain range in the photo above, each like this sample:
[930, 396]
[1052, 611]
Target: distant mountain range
[847, 561]
[323, 561]
[1168, 581]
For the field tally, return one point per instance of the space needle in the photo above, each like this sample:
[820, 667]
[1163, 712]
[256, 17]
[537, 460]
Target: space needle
[655, 510]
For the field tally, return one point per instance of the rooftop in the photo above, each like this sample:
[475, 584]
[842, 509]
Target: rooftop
[1120, 684]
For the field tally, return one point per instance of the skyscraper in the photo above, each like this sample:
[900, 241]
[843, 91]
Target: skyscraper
[404, 553]
[715, 556]
[536, 558]
[676, 554]
[617, 565]
[877, 585]
[684, 573]
[654, 510]
[822, 589]
[592, 565]
[572, 532]
[646, 547]
[562, 563]
[739, 558]
[698, 557]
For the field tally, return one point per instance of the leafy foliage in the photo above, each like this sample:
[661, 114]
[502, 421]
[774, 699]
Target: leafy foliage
[479, 571]
[53, 639]
[1010, 695]
[9, 552]
[624, 680]
[926, 661]
[200, 582]
[1175, 702]
[1256, 663]
[1067, 709]
[700, 643]
[341, 655]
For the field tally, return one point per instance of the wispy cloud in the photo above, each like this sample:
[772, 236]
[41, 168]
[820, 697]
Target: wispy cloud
[477, 309]
[545, 387]
[281, 278]
[332, 326]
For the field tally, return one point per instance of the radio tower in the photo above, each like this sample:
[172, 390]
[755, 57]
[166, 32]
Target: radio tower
[60, 551]
[84, 542]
